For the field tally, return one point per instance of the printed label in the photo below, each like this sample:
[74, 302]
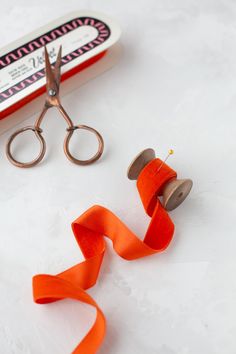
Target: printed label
[22, 70]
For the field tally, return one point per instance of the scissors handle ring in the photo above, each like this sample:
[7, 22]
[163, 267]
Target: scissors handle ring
[37, 132]
[94, 158]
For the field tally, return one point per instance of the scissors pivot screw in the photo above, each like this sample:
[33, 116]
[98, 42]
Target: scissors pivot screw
[52, 92]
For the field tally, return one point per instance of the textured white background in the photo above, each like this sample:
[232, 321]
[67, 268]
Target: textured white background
[175, 86]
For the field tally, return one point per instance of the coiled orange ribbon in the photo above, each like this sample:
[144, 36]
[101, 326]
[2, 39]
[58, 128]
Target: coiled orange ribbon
[89, 230]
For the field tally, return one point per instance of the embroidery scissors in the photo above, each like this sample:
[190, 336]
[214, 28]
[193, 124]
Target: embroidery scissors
[53, 76]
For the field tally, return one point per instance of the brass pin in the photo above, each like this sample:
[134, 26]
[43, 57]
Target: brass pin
[170, 152]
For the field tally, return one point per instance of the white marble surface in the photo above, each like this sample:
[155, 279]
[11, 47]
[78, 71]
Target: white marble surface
[175, 86]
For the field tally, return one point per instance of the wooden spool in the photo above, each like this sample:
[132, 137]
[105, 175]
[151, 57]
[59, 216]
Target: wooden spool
[174, 192]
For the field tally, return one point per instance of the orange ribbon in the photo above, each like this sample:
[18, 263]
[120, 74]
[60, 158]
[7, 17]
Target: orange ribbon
[89, 230]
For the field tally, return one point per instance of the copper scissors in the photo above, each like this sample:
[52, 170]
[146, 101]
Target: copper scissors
[53, 76]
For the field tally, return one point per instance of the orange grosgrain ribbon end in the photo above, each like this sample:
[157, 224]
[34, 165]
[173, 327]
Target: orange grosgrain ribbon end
[89, 230]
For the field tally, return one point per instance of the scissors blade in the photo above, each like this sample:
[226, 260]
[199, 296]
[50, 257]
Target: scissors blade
[49, 73]
[57, 67]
